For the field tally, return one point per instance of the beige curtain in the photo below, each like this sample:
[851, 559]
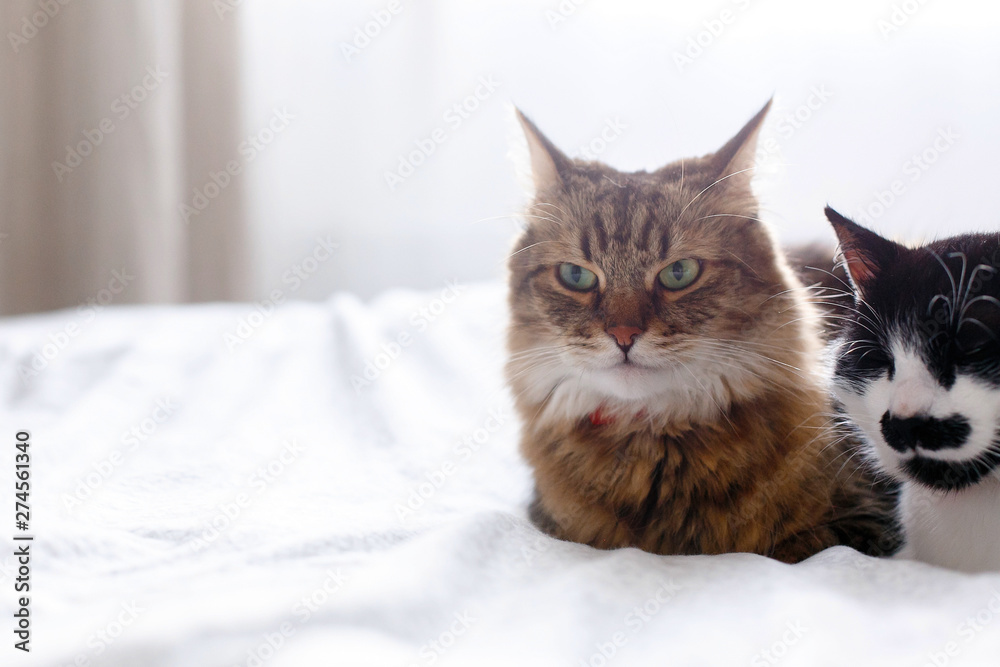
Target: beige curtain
[115, 115]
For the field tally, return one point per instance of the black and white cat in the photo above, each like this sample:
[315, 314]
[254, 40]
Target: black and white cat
[918, 370]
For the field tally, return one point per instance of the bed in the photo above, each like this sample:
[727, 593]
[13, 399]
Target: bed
[338, 483]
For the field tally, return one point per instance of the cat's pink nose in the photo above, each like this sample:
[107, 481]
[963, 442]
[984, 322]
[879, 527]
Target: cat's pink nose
[625, 336]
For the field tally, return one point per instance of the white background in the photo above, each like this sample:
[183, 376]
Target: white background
[890, 95]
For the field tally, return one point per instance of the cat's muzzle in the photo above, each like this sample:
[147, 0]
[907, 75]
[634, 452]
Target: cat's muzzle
[928, 433]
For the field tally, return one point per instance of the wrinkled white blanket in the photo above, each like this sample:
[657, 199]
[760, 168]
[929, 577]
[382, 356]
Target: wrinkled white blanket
[339, 484]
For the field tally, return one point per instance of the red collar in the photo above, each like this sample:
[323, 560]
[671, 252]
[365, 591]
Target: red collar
[600, 418]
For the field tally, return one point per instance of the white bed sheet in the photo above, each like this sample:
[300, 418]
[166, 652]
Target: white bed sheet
[315, 563]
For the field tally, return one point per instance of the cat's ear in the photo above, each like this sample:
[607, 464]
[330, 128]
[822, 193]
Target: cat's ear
[734, 162]
[549, 165]
[866, 254]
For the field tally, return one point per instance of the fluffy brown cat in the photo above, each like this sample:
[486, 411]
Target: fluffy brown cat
[664, 364]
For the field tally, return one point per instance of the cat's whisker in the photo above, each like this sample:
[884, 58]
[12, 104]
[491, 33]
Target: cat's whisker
[518, 394]
[728, 215]
[510, 216]
[536, 350]
[863, 321]
[850, 458]
[972, 320]
[836, 304]
[735, 363]
[741, 260]
[528, 247]
[860, 345]
[985, 297]
[821, 316]
[710, 395]
[947, 303]
[968, 287]
[537, 365]
[744, 342]
[728, 348]
[544, 214]
[867, 352]
[735, 348]
[519, 368]
[545, 203]
[951, 278]
[735, 173]
[544, 403]
[819, 294]
[804, 422]
[827, 289]
[547, 218]
[849, 288]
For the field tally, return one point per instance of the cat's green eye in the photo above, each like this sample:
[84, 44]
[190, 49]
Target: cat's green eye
[680, 274]
[576, 277]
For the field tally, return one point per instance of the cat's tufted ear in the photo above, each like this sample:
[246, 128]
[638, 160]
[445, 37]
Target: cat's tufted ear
[734, 162]
[866, 254]
[549, 165]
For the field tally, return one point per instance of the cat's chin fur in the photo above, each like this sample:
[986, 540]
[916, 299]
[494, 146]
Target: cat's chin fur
[688, 391]
[958, 530]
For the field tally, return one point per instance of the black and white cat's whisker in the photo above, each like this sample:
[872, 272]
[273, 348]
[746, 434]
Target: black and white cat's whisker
[972, 320]
[965, 266]
[810, 318]
[951, 279]
[823, 294]
[853, 347]
[972, 280]
[968, 304]
[820, 288]
[862, 320]
[948, 302]
[848, 288]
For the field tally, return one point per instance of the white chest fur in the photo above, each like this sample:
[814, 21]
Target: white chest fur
[958, 530]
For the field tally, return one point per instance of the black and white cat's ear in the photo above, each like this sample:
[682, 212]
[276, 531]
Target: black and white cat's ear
[735, 161]
[866, 254]
[549, 165]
